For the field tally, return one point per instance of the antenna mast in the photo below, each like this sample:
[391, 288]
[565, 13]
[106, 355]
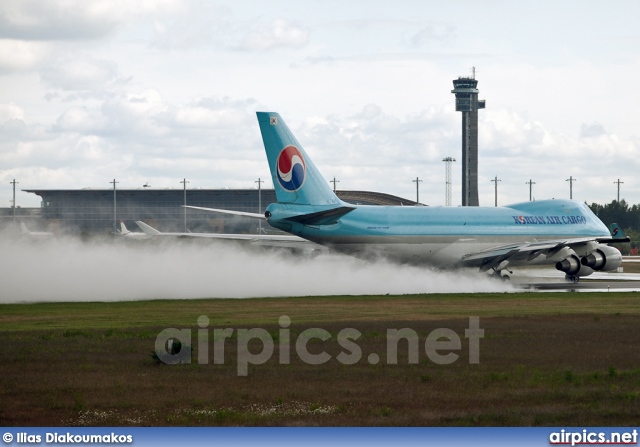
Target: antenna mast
[447, 196]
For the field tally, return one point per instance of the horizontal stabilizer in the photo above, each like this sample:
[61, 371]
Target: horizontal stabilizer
[613, 240]
[237, 213]
[327, 217]
[617, 235]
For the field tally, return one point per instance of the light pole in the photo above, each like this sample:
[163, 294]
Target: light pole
[259, 182]
[334, 181]
[530, 183]
[495, 180]
[618, 182]
[14, 198]
[115, 225]
[417, 181]
[571, 180]
[184, 189]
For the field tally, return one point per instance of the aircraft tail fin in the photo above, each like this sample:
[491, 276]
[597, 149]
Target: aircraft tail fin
[123, 228]
[148, 229]
[295, 178]
[23, 228]
[616, 231]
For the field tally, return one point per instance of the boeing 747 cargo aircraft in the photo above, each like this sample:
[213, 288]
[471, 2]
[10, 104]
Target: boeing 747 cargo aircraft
[562, 233]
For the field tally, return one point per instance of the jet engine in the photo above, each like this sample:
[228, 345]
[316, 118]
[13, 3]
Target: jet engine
[572, 266]
[604, 258]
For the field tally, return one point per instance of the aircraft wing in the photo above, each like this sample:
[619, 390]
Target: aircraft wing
[528, 251]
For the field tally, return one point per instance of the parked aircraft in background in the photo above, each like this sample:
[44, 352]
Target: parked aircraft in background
[36, 234]
[562, 233]
[124, 231]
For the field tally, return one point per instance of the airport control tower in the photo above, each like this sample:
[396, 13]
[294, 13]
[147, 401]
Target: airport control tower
[467, 102]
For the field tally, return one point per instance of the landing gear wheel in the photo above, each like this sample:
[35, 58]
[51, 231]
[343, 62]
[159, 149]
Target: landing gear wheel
[572, 278]
[503, 277]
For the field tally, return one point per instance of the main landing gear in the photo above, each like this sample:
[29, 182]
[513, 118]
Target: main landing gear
[498, 274]
[572, 278]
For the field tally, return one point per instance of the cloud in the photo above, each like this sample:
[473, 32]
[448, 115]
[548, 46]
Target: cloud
[19, 56]
[433, 33]
[33, 32]
[216, 28]
[147, 123]
[211, 113]
[132, 116]
[151, 89]
[373, 138]
[80, 72]
[137, 138]
[72, 19]
[59, 20]
[215, 142]
[592, 130]
[380, 151]
[198, 24]
[81, 119]
[11, 112]
[509, 132]
[280, 33]
[512, 147]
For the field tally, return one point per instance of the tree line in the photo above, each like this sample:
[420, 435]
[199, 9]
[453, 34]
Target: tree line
[627, 217]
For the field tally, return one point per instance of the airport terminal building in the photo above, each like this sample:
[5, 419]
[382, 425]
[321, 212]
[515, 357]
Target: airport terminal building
[94, 211]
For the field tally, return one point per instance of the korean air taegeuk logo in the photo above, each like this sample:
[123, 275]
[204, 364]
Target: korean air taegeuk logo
[291, 168]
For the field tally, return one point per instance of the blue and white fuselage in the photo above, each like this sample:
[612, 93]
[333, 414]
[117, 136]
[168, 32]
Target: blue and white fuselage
[440, 236]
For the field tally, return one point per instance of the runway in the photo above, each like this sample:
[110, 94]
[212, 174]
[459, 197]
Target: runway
[585, 285]
[552, 280]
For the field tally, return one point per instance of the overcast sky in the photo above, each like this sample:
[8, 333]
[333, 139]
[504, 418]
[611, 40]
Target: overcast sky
[157, 91]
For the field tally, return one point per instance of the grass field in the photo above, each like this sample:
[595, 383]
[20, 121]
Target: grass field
[545, 359]
[631, 267]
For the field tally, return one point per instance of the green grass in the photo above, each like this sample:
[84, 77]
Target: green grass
[545, 359]
[260, 311]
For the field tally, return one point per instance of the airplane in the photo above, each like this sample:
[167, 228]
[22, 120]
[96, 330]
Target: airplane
[263, 240]
[35, 234]
[563, 233]
[124, 231]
